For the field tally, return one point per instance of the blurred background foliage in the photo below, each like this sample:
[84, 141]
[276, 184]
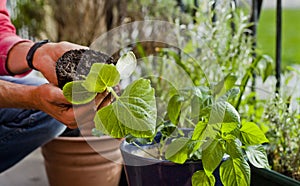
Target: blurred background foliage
[82, 21]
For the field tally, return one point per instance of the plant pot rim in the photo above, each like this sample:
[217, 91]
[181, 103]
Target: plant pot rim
[273, 176]
[125, 144]
[82, 138]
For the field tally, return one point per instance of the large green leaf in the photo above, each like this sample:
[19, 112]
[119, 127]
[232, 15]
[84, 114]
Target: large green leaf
[204, 133]
[177, 150]
[100, 77]
[251, 134]
[235, 172]
[136, 107]
[174, 107]
[199, 130]
[257, 156]
[199, 178]
[106, 121]
[228, 127]
[217, 112]
[75, 93]
[134, 112]
[233, 148]
[223, 112]
[231, 114]
[212, 156]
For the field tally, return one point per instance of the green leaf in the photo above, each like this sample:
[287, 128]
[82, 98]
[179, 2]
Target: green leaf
[167, 128]
[229, 82]
[75, 93]
[136, 107]
[235, 172]
[233, 148]
[100, 77]
[212, 156]
[226, 84]
[199, 178]
[228, 127]
[199, 130]
[251, 134]
[257, 156]
[204, 132]
[231, 114]
[268, 70]
[126, 65]
[177, 150]
[217, 112]
[230, 94]
[106, 121]
[133, 113]
[174, 107]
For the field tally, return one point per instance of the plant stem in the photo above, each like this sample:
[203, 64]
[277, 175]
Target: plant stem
[110, 89]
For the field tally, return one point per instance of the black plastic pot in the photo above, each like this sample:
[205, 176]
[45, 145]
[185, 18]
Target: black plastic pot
[269, 177]
[152, 172]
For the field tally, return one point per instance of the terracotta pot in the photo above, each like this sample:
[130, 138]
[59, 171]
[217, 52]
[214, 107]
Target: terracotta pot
[87, 161]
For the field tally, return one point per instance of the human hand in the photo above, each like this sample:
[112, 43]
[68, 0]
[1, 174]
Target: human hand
[51, 100]
[46, 56]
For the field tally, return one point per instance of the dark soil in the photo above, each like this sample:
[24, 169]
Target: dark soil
[77, 63]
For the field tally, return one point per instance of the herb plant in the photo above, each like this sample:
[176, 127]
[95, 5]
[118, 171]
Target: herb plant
[219, 137]
[282, 123]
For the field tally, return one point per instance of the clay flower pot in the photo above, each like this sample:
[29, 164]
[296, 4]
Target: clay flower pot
[87, 161]
[80, 158]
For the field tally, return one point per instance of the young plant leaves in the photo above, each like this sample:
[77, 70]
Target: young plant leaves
[212, 156]
[257, 156]
[177, 151]
[199, 178]
[100, 77]
[231, 114]
[235, 172]
[252, 135]
[134, 112]
[126, 65]
[75, 93]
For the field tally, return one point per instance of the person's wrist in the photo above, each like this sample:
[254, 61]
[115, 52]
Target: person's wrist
[31, 58]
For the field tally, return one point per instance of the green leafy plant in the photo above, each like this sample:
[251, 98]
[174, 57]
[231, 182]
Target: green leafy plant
[219, 138]
[219, 132]
[136, 104]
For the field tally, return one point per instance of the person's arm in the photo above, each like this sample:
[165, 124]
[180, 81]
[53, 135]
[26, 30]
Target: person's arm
[13, 51]
[48, 98]
[8, 38]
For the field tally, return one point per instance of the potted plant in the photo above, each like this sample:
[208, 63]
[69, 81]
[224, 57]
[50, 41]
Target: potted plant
[77, 157]
[219, 142]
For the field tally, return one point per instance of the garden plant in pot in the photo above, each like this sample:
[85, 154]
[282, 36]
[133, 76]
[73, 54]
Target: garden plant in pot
[216, 151]
[77, 157]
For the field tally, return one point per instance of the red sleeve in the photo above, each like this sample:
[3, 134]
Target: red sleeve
[8, 37]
